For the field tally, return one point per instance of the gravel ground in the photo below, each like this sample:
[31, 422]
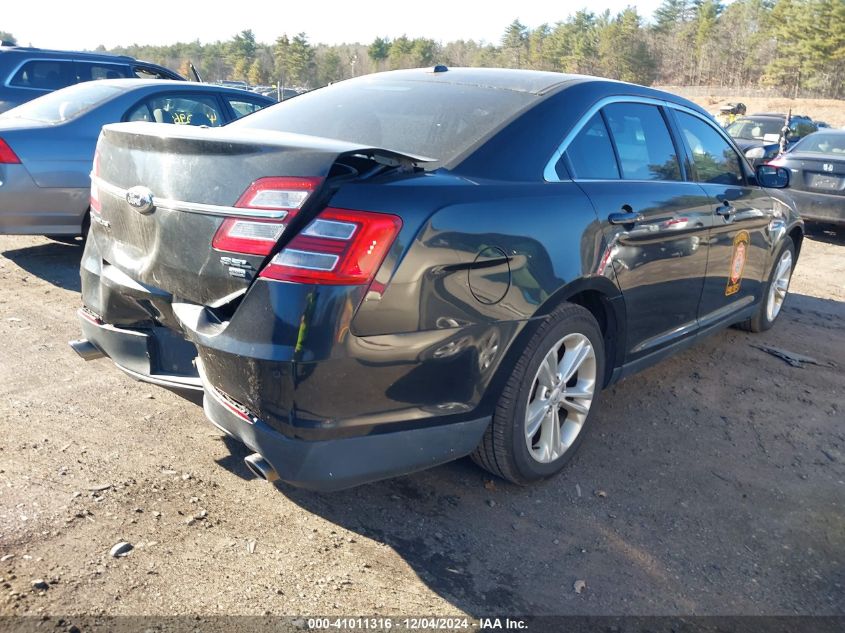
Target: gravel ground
[712, 483]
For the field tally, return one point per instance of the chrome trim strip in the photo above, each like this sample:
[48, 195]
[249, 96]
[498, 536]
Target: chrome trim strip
[192, 207]
[550, 174]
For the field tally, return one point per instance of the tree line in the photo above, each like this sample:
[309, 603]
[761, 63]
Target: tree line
[794, 46]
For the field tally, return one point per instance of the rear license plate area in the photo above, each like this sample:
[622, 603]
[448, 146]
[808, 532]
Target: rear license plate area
[826, 182]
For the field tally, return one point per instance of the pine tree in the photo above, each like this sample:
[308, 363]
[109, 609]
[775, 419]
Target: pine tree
[379, 50]
[515, 44]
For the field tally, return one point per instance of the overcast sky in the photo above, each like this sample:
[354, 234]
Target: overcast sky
[84, 24]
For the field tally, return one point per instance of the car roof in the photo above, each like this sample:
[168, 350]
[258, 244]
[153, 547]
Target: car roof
[36, 53]
[532, 81]
[32, 51]
[537, 82]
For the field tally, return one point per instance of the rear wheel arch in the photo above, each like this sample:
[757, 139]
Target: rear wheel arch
[796, 234]
[600, 297]
[603, 300]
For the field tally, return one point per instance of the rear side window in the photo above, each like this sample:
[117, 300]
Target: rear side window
[44, 74]
[179, 110]
[89, 71]
[645, 148]
[714, 159]
[591, 153]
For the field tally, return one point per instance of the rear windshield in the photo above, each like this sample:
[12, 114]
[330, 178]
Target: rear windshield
[820, 143]
[435, 120]
[63, 105]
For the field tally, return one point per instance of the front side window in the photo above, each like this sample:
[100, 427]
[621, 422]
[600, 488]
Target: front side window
[645, 148]
[179, 110]
[591, 153]
[714, 159]
[44, 74]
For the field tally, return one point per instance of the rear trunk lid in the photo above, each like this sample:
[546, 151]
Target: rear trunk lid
[820, 173]
[193, 178]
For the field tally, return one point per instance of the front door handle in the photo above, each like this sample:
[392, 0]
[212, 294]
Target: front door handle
[726, 209]
[625, 217]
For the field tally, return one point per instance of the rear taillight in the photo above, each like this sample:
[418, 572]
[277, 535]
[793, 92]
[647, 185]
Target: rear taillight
[274, 202]
[94, 200]
[339, 247]
[7, 156]
[778, 161]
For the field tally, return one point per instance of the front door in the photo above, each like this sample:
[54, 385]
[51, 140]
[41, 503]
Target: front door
[739, 241]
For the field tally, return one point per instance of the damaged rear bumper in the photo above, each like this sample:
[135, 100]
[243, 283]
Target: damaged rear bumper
[329, 465]
[149, 355]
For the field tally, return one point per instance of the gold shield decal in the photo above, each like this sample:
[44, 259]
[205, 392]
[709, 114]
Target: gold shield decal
[738, 257]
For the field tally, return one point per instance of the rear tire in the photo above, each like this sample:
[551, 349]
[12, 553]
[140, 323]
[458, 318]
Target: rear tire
[775, 292]
[548, 401]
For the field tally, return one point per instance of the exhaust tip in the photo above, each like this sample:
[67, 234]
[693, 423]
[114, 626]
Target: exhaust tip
[85, 349]
[260, 467]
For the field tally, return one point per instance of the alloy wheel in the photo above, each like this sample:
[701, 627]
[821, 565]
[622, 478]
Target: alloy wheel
[779, 286]
[560, 398]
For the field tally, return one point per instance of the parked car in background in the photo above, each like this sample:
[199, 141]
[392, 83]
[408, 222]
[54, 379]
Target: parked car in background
[817, 175]
[27, 73]
[405, 268]
[758, 135]
[47, 144]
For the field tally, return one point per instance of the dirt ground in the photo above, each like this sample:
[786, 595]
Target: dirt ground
[712, 483]
[832, 111]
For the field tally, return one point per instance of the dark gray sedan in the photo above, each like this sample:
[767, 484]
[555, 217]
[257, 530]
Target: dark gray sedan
[817, 181]
[47, 144]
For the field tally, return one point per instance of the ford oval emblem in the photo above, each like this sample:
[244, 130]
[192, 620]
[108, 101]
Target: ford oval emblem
[140, 199]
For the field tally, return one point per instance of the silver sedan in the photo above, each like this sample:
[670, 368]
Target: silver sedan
[47, 145]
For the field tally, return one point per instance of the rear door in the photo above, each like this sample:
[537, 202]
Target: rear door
[654, 223]
[739, 240]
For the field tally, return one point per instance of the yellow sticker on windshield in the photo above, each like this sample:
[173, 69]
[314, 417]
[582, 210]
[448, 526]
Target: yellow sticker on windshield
[738, 257]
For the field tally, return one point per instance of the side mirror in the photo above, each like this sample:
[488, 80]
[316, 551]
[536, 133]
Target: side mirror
[772, 177]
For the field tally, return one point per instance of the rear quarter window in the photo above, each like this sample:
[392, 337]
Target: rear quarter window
[591, 153]
[242, 107]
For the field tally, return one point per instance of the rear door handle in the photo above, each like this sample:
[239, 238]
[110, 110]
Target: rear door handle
[625, 217]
